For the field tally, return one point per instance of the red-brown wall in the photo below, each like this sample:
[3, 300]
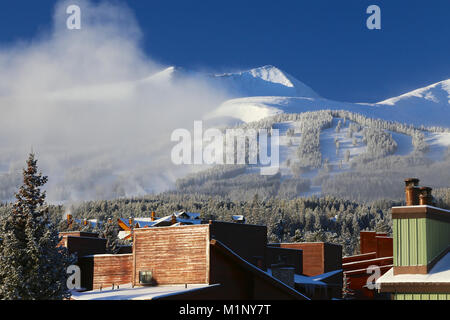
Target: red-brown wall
[175, 255]
[376, 249]
[364, 264]
[104, 270]
[385, 246]
[367, 242]
[357, 281]
[370, 241]
[359, 257]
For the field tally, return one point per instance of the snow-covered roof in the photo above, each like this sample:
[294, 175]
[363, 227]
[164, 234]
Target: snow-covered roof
[94, 222]
[144, 222]
[301, 279]
[326, 275]
[181, 217]
[422, 206]
[187, 215]
[126, 292]
[123, 234]
[438, 274]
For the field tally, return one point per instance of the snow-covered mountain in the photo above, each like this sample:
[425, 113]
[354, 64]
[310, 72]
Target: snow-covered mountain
[277, 92]
[263, 81]
[265, 91]
[438, 93]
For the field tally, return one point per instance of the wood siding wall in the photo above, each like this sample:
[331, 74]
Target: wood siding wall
[418, 241]
[410, 242]
[175, 255]
[421, 234]
[105, 270]
[367, 242]
[438, 238]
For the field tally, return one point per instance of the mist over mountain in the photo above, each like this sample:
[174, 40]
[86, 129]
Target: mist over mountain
[99, 112]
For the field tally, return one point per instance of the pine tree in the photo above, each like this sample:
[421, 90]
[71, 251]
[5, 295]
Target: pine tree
[110, 233]
[32, 266]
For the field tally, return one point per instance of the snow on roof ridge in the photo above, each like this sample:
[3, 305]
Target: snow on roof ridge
[422, 206]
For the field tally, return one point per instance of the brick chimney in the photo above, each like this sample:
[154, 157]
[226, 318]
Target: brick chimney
[425, 197]
[174, 219]
[153, 215]
[130, 221]
[69, 220]
[412, 191]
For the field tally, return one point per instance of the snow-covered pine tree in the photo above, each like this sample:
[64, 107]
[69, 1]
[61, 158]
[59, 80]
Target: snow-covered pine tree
[32, 266]
[110, 233]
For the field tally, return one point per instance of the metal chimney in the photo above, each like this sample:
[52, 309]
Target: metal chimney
[412, 191]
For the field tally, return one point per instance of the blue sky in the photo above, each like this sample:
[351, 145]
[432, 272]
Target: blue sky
[324, 43]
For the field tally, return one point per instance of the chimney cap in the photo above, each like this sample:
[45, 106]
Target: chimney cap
[426, 188]
[413, 181]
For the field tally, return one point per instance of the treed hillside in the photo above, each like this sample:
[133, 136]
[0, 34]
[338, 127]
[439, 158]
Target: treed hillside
[355, 194]
[313, 219]
[369, 167]
[300, 219]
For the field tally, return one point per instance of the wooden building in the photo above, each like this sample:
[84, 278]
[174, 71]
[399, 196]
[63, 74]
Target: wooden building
[222, 260]
[421, 257]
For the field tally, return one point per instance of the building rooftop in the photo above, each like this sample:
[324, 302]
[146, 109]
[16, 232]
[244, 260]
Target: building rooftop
[126, 292]
[440, 273]
[421, 206]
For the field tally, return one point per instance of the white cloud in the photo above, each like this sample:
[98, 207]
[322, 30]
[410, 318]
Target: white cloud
[86, 102]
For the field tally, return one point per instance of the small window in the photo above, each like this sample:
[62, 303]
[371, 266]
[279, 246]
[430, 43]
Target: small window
[145, 277]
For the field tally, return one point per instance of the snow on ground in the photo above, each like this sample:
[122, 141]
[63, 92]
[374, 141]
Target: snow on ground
[437, 114]
[267, 91]
[288, 146]
[404, 143]
[438, 93]
[245, 109]
[328, 145]
[438, 142]
[263, 81]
